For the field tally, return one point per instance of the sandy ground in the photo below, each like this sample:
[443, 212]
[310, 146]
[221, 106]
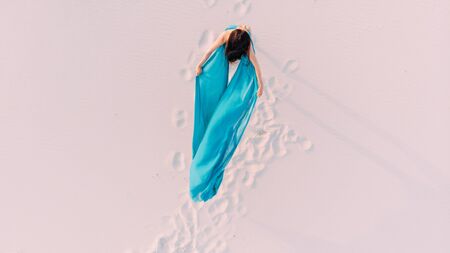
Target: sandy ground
[348, 150]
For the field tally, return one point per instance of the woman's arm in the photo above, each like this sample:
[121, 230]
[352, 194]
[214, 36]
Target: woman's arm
[252, 58]
[221, 39]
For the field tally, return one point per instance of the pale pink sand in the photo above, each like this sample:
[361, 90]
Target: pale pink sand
[347, 150]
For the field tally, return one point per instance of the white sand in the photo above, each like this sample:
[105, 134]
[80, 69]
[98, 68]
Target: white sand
[347, 151]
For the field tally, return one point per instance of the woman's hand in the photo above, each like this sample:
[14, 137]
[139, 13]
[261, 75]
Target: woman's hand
[198, 70]
[260, 90]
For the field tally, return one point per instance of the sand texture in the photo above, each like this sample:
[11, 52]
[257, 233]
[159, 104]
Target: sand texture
[348, 149]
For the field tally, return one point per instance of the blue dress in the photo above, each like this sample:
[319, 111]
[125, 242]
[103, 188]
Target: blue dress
[221, 113]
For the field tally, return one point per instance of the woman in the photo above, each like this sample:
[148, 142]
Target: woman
[222, 109]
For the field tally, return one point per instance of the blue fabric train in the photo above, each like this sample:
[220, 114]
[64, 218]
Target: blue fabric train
[221, 113]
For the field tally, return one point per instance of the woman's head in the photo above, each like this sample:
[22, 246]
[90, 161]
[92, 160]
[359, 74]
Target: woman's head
[237, 45]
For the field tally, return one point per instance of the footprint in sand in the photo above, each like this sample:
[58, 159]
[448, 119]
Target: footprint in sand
[191, 58]
[291, 136]
[290, 66]
[218, 207]
[177, 161]
[260, 131]
[242, 8]
[221, 220]
[305, 144]
[187, 74]
[179, 118]
[263, 112]
[206, 39]
[252, 172]
[278, 88]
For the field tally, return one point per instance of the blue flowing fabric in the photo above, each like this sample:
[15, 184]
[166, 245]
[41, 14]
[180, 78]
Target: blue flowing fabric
[221, 113]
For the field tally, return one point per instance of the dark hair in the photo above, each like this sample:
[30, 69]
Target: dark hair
[237, 45]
